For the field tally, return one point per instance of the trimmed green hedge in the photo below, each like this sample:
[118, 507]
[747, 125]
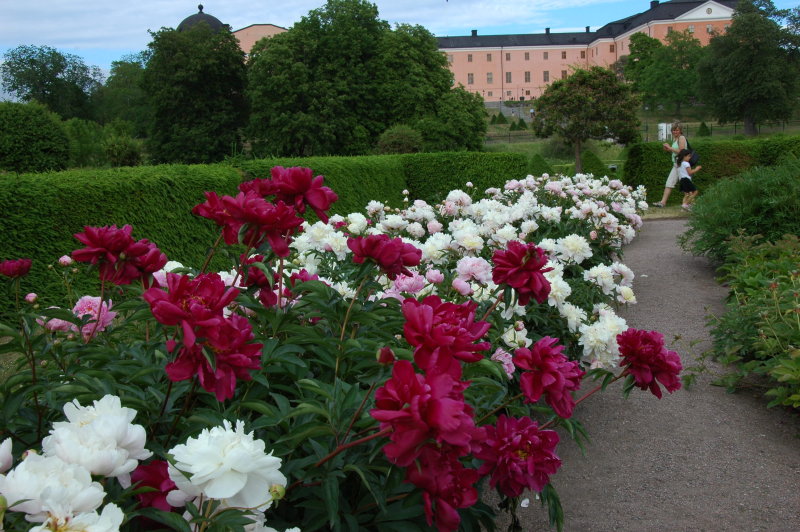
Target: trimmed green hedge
[42, 212]
[32, 139]
[539, 166]
[430, 176]
[648, 164]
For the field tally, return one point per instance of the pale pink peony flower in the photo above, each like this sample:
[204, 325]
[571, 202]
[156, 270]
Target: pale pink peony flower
[462, 287]
[31, 298]
[474, 268]
[506, 360]
[434, 226]
[434, 276]
[100, 315]
[410, 283]
[65, 260]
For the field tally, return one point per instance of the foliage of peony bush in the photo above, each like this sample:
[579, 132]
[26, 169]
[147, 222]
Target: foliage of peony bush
[383, 370]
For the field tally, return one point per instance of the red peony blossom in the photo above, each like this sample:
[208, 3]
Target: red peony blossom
[256, 276]
[215, 210]
[518, 455]
[421, 409]
[227, 345]
[550, 373]
[15, 268]
[392, 255]
[153, 475]
[297, 187]
[443, 334]
[522, 267]
[119, 258]
[649, 362]
[189, 302]
[447, 486]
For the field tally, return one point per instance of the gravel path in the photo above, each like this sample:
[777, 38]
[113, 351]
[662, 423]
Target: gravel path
[699, 459]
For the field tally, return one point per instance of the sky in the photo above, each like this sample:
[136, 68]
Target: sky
[102, 31]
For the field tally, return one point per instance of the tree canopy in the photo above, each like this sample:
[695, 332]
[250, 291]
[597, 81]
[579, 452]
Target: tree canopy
[588, 104]
[195, 82]
[62, 82]
[122, 96]
[341, 76]
[750, 73]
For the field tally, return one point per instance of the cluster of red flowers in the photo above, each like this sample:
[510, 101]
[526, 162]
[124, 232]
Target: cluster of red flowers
[267, 284]
[522, 266]
[15, 268]
[549, 373]
[645, 357]
[273, 220]
[120, 259]
[196, 306]
[392, 255]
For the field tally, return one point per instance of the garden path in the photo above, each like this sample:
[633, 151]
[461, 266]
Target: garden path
[699, 459]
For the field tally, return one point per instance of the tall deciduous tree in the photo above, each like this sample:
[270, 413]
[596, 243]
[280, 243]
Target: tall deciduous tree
[640, 60]
[195, 81]
[588, 104]
[122, 96]
[750, 73]
[341, 76]
[62, 82]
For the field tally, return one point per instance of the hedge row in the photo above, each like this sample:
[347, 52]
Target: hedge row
[648, 164]
[42, 212]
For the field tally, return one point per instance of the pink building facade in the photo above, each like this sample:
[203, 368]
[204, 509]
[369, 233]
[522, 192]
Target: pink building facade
[519, 67]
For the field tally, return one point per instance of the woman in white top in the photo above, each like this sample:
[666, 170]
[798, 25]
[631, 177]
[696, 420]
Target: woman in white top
[678, 143]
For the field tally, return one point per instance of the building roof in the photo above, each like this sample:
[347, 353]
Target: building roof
[658, 11]
[193, 20]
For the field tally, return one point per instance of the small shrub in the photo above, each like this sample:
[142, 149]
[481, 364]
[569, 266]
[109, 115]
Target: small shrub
[593, 165]
[501, 119]
[85, 143]
[399, 139]
[513, 126]
[538, 166]
[493, 119]
[32, 139]
[703, 130]
[123, 151]
[521, 124]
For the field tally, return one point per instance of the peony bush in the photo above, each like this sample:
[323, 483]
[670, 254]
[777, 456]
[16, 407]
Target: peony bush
[384, 370]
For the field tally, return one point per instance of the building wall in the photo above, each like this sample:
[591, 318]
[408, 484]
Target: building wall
[251, 34]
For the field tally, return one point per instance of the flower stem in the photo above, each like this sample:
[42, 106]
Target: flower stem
[211, 253]
[493, 412]
[588, 394]
[359, 409]
[494, 306]
[344, 323]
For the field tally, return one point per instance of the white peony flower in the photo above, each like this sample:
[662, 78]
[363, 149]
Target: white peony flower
[625, 295]
[358, 223]
[6, 460]
[514, 338]
[101, 438]
[41, 483]
[108, 521]
[227, 464]
[574, 315]
[573, 248]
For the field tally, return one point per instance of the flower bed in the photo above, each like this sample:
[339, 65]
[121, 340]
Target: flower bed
[379, 371]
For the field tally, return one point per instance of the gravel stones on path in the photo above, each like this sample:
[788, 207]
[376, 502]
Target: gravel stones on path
[699, 459]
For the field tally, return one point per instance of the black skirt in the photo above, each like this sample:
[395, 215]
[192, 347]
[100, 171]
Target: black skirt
[687, 185]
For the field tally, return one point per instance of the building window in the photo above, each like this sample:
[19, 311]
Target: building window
[527, 56]
[563, 55]
[508, 77]
[546, 75]
[489, 58]
[469, 58]
[709, 28]
[669, 29]
[489, 94]
[527, 93]
[508, 94]
[691, 28]
[563, 74]
[611, 48]
[489, 78]
[545, 56]
[583, 54]
[470, 79]
[508, 57]
[527, 77]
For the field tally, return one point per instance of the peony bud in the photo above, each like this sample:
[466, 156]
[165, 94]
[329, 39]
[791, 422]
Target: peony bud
[385, 356]
[31, 298]
[277, 491]
[462, 286]
[65, 260]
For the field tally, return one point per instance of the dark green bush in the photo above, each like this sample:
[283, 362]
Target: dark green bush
[762, 201]
[521, 124]
[501, 119]
[538, 166]
[513, 127]
[123, 150]
[432, 175]
[703, 130]
[593, 165]
[399, 139]
[493, 119]
[85, 143]
[556, 148]
[32, 139]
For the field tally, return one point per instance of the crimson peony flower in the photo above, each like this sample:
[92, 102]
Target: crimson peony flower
[518, 455]
[119, 258]
[649, 362]
[522, 266]
[153, 475]
[447, 486]
[297, 187]
[443, 334]
[15, 268]
[421, 409]
[549, 373]
[392, 255]
[227, 345]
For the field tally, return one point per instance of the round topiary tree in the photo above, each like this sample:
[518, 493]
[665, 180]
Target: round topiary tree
[703, 130]
[400, 139]
[32, 139]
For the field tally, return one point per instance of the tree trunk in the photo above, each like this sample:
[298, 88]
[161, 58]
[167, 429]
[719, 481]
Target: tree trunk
[678, 109]
[750, 128]
[578, 162]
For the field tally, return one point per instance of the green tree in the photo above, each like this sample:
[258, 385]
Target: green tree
[750, 73]
[32, 138]
[671, 75]
[459, 123]
[122, 96]
[340, 77]
[195, 81]
[588, 104]
[639, 61]
[62, 82]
